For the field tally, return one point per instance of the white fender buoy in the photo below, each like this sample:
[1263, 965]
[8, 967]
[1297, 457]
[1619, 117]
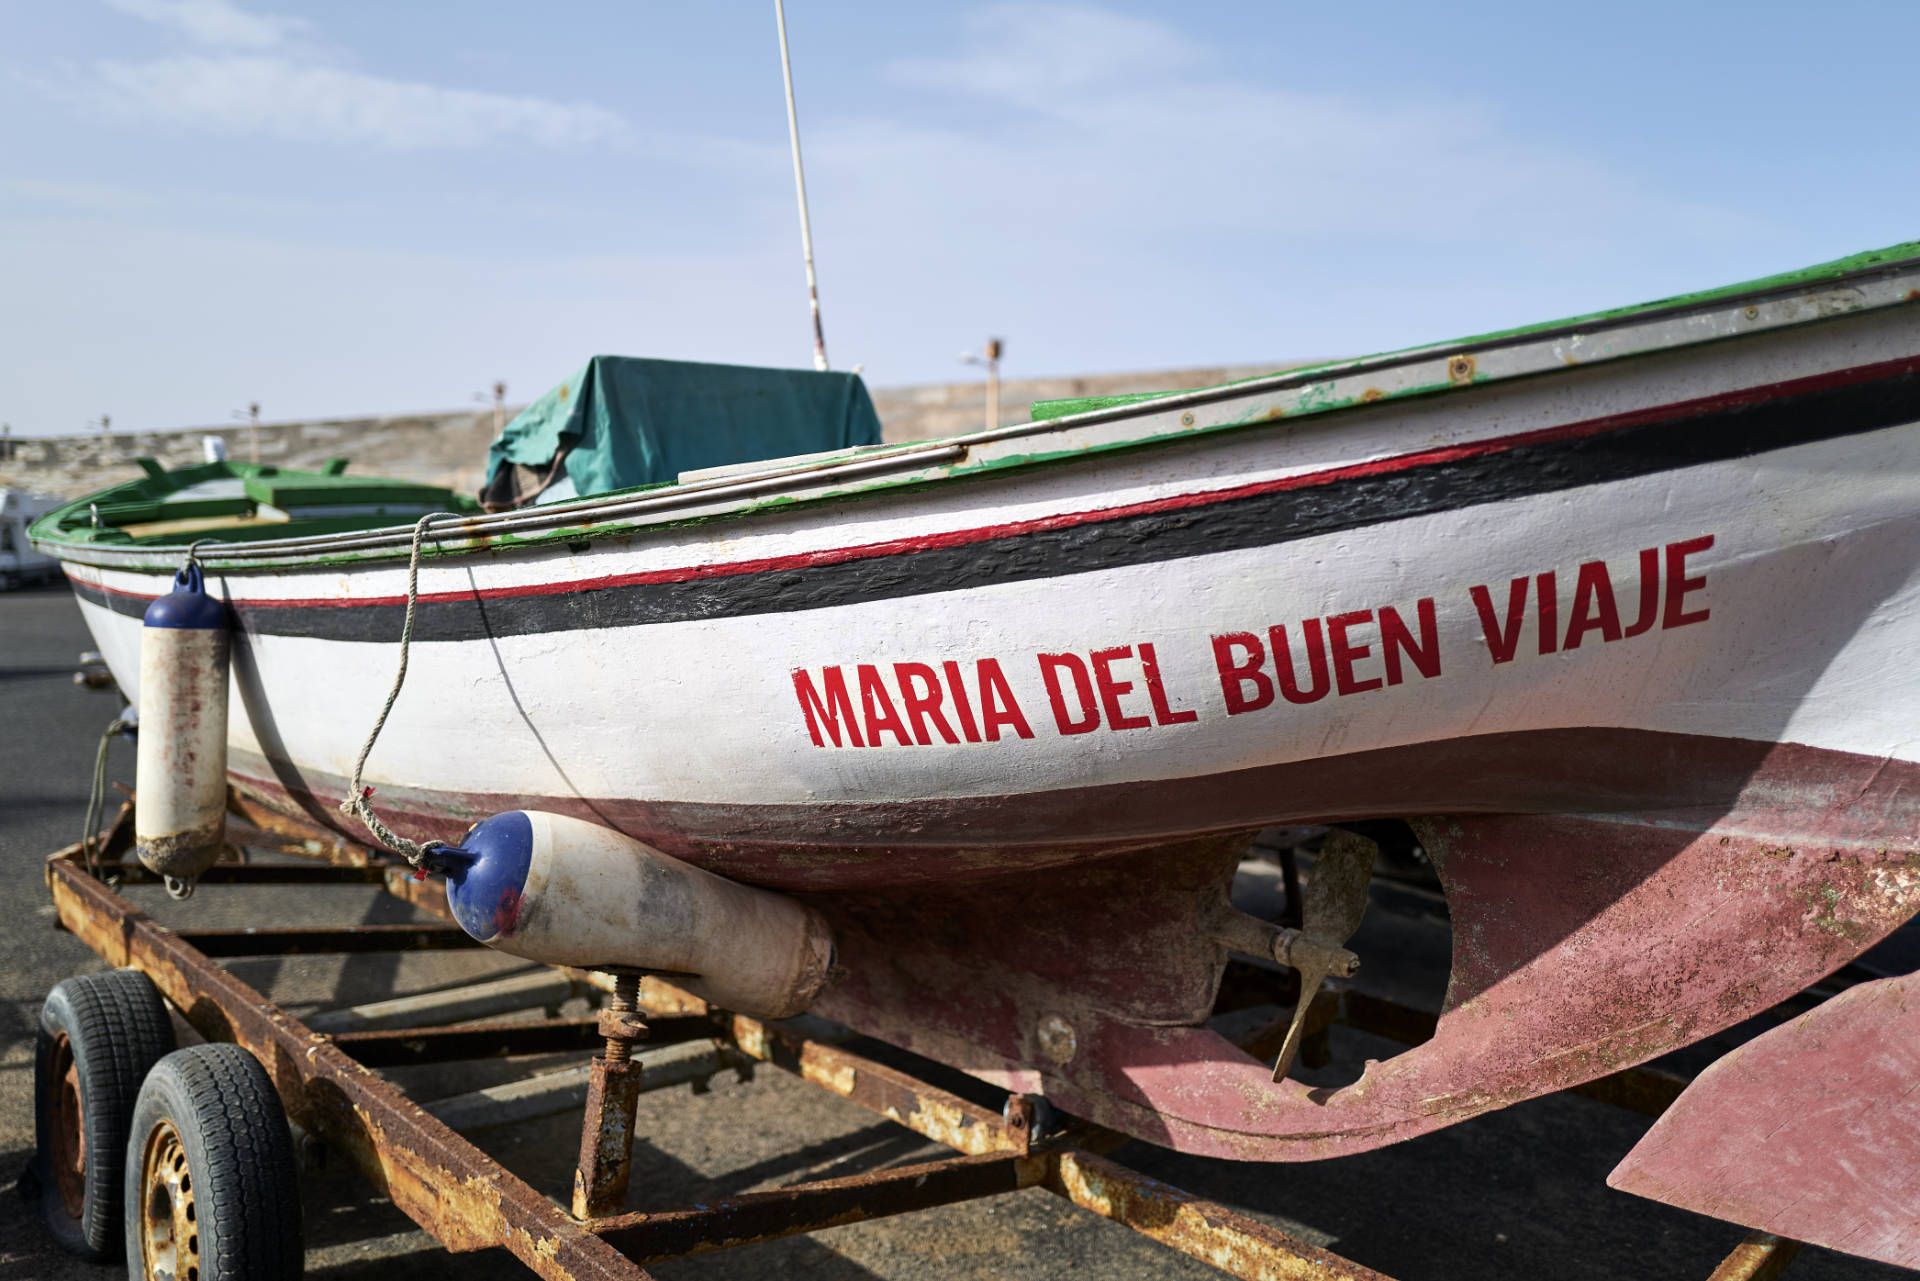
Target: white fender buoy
[568, 892]
[180, 797]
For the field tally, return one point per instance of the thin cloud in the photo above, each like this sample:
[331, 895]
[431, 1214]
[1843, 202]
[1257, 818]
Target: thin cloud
[264, 74]
[87, 196]
[215, 22]
[1034, 54]
[282, 98]
[1126, 121]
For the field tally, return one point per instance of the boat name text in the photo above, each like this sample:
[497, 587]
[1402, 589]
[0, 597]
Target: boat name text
[915, 704]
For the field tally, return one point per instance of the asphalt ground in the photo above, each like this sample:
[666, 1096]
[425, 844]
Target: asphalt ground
[1516, 1194]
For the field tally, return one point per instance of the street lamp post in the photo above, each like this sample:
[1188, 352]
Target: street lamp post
[992, 361]
[252, 418]
[499, 404]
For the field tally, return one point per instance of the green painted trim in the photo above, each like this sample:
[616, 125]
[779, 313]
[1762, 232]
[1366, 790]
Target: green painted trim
[1046, 410]
[1043, 410]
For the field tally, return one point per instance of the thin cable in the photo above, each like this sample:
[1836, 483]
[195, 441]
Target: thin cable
[97, 800]
[800, 185]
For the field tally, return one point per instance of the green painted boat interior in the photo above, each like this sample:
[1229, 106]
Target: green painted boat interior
[238, 502]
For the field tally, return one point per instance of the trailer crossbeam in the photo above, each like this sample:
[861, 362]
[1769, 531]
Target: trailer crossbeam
[395, 1047]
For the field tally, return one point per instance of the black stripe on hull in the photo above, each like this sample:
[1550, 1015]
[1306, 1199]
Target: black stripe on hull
[1688, 438]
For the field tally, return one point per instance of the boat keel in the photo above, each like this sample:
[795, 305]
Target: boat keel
[1582, 945]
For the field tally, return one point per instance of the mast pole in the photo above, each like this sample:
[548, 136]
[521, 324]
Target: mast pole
[800, 185]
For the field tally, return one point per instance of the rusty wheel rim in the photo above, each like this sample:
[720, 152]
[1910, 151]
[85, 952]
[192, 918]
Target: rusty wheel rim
[69, 1129]
[169, 1223]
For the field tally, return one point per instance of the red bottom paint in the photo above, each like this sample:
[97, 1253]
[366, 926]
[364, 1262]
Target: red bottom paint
[1702, 881]
[1581, 946]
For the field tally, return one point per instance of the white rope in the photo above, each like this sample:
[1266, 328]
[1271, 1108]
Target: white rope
[356, 803]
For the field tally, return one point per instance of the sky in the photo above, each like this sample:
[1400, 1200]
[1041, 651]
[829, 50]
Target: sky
[366, 207]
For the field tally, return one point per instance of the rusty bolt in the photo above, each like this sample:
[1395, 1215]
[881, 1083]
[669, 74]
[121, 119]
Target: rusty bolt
[1460, 369]
[1186, 420]
[620, 1021]
[624, 1025]
[1019, 1116]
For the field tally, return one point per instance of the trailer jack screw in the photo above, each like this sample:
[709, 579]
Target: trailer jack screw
[613, 1089]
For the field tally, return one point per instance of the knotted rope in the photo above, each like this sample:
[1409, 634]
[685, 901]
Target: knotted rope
[417, 853]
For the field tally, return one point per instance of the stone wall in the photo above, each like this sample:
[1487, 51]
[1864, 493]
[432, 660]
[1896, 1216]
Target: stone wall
[442, 449]
[948, 409]
[451, 448]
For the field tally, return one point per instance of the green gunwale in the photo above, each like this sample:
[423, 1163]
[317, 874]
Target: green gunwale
[1850, 265]
[71, 529]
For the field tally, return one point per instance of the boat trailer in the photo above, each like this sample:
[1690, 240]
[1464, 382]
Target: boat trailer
[330, 1087]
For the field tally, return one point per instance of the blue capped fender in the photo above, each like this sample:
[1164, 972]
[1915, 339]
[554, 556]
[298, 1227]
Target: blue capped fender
[187, 607]
[563, 891]
[179, 808]
[487, 883]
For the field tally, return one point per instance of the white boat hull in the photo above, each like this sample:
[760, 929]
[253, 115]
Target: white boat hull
[682, 686]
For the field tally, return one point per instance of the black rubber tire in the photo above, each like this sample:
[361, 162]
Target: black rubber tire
[115, 1028]
[222, 1107]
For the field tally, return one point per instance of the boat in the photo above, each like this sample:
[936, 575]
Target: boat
[1617, 612]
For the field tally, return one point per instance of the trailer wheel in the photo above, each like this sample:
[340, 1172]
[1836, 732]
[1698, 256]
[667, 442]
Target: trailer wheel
[211, 1191]
[98, 1035]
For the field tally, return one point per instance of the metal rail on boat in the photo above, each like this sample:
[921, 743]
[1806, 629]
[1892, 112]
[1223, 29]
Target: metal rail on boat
[468, 1201]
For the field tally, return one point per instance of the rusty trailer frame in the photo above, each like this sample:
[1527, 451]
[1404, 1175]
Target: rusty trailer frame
[468, 1201]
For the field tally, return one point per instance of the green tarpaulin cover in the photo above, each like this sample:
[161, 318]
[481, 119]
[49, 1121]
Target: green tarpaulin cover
[630, 421]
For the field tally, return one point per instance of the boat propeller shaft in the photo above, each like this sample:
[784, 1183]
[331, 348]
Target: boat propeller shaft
[1333, 901]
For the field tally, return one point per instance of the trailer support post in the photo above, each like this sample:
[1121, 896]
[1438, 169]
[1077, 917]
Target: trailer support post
[613, 1090]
